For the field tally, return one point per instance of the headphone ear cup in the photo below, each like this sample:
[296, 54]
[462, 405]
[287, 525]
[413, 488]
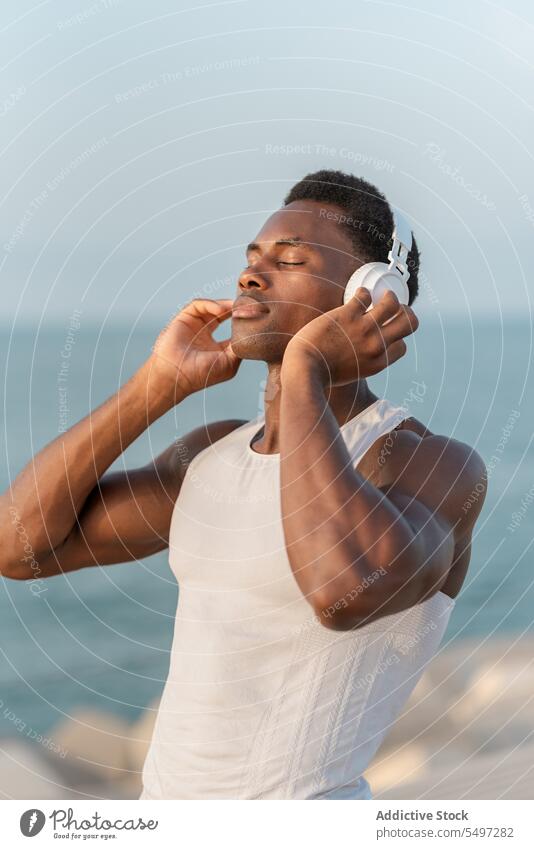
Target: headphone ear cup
[367, 275]
[378, 278]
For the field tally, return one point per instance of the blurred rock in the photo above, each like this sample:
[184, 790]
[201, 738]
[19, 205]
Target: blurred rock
[465, 733]
[391, 769]
[505, 686]
[475, 702]
[506, 774]
[140, 736]
[26, 774]
[96, 744]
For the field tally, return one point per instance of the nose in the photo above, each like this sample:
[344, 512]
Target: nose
[250, 278]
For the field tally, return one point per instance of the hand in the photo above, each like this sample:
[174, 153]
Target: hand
[348, 343]
[185, 353]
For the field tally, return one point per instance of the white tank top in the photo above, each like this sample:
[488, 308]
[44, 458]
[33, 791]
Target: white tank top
[262, 701]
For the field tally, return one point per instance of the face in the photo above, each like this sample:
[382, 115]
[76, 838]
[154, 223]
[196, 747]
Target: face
[297, 268]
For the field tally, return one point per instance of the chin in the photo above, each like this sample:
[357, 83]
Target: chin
[268, 347]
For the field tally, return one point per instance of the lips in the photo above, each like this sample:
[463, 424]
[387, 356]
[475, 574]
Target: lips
[246, 307]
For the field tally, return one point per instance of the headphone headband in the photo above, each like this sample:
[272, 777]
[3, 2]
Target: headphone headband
[402, 244]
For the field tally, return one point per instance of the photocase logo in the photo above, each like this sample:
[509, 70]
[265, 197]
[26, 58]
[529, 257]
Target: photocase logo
[32, 822]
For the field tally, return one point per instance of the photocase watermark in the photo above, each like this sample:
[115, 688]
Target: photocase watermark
[9, 102]
[424, 285]
[527, 208]
[65, 820]
[75, 163]
[32, 822]
[346, 220]
[186, 73]
[343, 602]
[219, 496]
[365, 226]
[411, 640]
[211, 290]
[183, 454]
[355, 157]
[23, 728]
[519, 515]
[417, 393]
[437, 155]
[64, 371]
[212, 287]
[85, 14]
[222, 496]
[36, 584]
[493, 461]
[371, 229]
[92, 827]
[28, 215]
[37, 203]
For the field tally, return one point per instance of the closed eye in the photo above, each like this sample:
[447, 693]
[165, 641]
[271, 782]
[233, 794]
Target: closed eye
[281, 262]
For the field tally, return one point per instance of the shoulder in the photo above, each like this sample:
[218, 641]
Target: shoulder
[447, 475]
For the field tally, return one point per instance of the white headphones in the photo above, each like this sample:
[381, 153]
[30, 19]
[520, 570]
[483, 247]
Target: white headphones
[379, 277]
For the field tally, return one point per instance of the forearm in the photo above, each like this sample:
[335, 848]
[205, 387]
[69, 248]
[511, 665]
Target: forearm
[49, 493]
[339, 528]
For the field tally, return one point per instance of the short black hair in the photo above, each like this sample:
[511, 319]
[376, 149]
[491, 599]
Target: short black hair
[364, 205]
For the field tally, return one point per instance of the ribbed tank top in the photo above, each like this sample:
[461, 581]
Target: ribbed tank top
[262, 701]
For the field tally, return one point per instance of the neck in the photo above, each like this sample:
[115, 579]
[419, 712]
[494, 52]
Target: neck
[344, 401]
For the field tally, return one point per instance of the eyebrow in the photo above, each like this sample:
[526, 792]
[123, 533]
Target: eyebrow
[292, 241]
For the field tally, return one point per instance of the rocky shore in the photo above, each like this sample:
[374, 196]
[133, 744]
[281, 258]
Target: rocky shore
[467, 732]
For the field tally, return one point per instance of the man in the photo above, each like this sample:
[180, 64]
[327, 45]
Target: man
[317, 556]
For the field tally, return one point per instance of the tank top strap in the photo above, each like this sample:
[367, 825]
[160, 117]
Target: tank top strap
[359, 433]
[376, 420]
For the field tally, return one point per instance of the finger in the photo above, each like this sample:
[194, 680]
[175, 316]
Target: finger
[225, 305]
[361, 300]
[395, 351]
[403, 324]
[226, 345]
[205, 308]
[386, 308]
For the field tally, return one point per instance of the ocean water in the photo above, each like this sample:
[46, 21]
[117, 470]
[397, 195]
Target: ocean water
[101, 636]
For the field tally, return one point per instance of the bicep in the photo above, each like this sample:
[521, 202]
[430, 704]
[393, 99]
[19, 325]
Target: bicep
[126, 517]
[432, 541]
[431, 483]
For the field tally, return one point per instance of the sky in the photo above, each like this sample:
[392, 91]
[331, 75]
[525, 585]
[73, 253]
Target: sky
[143, 145]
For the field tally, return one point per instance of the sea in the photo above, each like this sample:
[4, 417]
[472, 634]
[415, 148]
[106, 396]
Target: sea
[100, 637]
